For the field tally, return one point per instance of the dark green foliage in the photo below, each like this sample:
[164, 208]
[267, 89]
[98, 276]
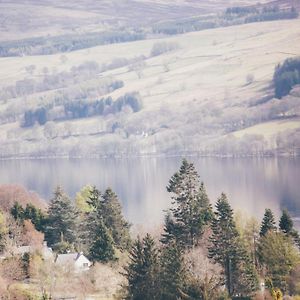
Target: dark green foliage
[224, 240]
[286, 226]
[101, 248]
[268, 223]
[62, 219]
[105, 227]
[286, 76]
[142, 270]
[285, 222]
[114, 220]
[227, 249]
[191, 211]
[172, 272]
[35, 215]
[95, 199]
[17, 211]
[172, 230]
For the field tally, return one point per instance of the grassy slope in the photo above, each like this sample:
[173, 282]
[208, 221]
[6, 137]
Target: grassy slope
[179, 89]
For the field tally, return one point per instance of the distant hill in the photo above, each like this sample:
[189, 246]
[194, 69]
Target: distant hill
[208, 92]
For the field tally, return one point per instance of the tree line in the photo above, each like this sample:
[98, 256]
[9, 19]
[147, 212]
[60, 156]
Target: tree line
[286, 76]
[201, 252]
[66, 43]
[245, 257]
[83, 109]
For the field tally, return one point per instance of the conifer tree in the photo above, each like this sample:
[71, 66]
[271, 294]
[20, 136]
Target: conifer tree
[224, 240]
[285, 222]
[62, 219]
[107, 208]
[172, 230]
[94, 199]
[36, 216]
[172, 273]
[142, 270]
[286, 226]
[134, 271]
[268, 223]
[227, 249]
[114, 220]
[191, 209]
[101, 248]
[245, 275]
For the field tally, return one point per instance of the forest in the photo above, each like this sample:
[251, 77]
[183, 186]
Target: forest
[200, 252]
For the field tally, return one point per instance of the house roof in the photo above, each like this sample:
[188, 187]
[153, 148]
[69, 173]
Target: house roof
[68, 258]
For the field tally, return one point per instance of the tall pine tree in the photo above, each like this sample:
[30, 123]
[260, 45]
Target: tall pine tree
[286, 225]
[142, 271]
[224, 240]
[227, 249]
[101, 248]
[172, 272]
[114, 220]
[286, 222]
[268, 223]
[191, 210]
[62, 219]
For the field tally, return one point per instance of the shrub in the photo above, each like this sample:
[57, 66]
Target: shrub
[286, 75]
[163, 47]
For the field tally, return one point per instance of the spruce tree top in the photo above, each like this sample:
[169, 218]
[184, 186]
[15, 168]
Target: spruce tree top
[186, 179]
[285, 222]
[268, 222]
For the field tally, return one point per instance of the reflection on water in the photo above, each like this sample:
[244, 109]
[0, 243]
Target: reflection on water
[251, 184]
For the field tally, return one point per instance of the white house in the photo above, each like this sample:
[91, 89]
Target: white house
[73, 260]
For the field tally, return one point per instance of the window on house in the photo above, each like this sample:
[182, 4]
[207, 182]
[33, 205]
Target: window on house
[85, 265]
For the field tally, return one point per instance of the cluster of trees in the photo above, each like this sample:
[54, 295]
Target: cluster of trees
[202, 253]
[163, 47]
[272, 13]
[241, 10]
[232, 16]
[286, 75]
[94, 225]
[104, 106]
[66, 43]
[243, 255]
[83, 109]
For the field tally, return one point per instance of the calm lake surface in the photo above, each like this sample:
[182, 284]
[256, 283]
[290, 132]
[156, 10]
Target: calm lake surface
[251, 184]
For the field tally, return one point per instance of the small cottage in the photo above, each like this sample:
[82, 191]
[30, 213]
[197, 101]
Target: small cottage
[78, 261]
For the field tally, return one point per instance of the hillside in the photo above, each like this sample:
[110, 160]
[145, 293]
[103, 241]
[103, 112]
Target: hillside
[208, 92]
